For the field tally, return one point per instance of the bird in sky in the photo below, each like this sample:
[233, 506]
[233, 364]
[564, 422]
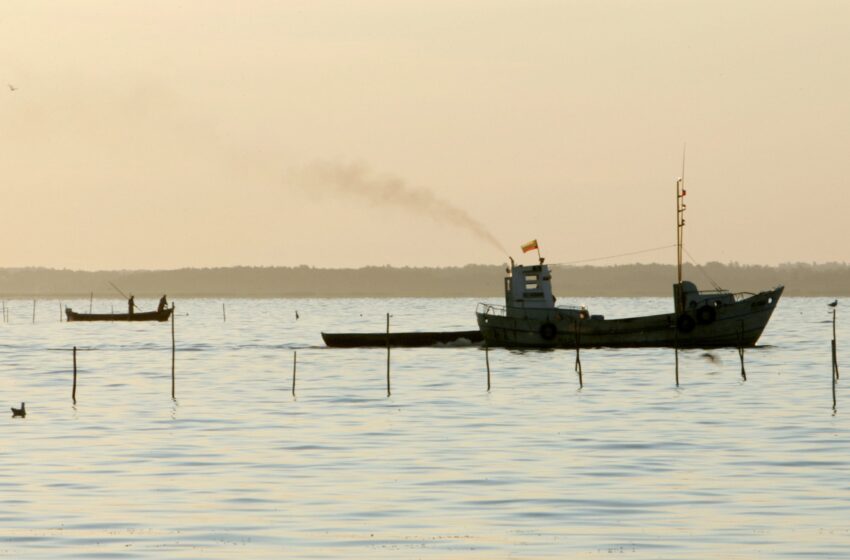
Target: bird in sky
[12, 88]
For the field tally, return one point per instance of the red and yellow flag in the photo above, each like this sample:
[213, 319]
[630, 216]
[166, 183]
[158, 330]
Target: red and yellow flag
[530, 246]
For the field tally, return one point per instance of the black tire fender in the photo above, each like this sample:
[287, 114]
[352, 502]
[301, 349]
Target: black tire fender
[548, 331]
[685, 323]
[706, 315]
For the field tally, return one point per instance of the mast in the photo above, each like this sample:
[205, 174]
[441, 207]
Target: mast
[680, 219]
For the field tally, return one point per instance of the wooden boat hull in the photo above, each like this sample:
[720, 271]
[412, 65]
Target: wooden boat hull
[739, 324]
[401, 339]
[161, 316]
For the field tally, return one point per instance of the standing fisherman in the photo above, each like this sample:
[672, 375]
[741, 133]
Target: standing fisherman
[163, 303]
[131, 303]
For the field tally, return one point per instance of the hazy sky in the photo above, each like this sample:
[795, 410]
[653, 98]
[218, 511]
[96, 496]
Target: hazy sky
[162, 134]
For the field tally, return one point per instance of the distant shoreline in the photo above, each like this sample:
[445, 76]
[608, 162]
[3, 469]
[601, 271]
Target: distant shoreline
[485, 281]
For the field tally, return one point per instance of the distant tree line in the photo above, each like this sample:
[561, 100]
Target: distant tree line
[832, 279]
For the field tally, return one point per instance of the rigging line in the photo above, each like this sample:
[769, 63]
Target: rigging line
[702, 270]
[615, 256]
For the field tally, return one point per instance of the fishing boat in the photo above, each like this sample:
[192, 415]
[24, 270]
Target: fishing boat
[701, 319]
[162, 315]
[401, 339]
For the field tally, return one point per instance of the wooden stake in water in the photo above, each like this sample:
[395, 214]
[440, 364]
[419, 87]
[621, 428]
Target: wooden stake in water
[294, 362]
[741, 352]
[834, 360]
[834, 376]
[33, 312]
[834, 341]
[388, 354]
[487, 361]
[676, 350]
[74, 386]
[91, 301]
[577, 326]
[173, 350]
[224, 312]
[60, 311]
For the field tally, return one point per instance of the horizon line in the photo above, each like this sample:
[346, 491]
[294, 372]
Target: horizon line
[392, 266]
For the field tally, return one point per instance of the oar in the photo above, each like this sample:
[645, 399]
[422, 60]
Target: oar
[125, 295]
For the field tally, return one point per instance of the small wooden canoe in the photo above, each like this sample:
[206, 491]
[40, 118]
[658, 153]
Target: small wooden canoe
[163, 315]
[401, 339]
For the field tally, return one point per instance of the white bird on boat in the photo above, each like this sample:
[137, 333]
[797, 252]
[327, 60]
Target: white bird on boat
[22, 412]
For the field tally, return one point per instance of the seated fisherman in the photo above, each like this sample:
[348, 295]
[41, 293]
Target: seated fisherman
[163, 303]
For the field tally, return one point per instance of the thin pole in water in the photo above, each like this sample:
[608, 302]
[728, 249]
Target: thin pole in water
[676, 350]
[743, 371]
[388, 355]
[834, 306]
[741, 352]
[577, 326]
[173, 350]
[834, 343]
[33, 312]
[91, 301]
[294, 362]
[74, 387]
[224, 312]
[834, 359]
[834, 377]
[487, 361]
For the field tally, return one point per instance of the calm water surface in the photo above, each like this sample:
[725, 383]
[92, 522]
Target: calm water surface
[629, 465]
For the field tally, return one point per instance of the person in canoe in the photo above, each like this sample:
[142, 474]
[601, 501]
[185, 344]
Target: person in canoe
[131, 303]
[163, 303]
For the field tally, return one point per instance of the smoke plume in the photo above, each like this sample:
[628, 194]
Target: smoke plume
[356, 179]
